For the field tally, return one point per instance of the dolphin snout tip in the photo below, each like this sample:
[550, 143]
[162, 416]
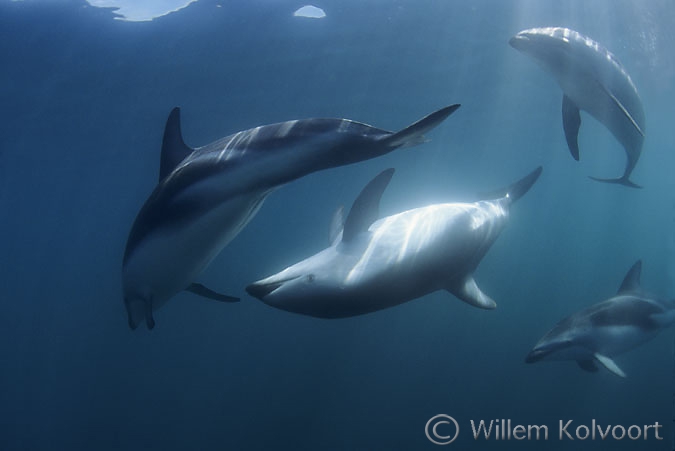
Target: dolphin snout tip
[517, 40]
[533, 356]
[260, 290]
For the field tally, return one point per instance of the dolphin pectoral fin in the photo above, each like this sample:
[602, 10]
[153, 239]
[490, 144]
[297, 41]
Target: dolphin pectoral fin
[620, 181]
[201, 290]
[631, 282]
[149, 320]
[609, 364]
[414, 133]
[571, 123]
[588, 365]
[471, 294]
[365, 209]
[174, 149]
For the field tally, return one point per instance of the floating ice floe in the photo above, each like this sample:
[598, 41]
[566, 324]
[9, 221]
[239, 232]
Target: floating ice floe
[141, 10]
[311, 12]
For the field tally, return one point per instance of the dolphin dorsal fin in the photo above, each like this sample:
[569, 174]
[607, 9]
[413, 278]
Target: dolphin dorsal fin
[174, 149]
[365, 209]
[631, 283]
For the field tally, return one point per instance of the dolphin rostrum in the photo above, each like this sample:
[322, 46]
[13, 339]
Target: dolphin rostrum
[598, 333]
[376, 263]
[207, 195]
[593, 80]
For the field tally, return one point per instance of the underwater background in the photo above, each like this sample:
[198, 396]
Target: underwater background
[84, 99]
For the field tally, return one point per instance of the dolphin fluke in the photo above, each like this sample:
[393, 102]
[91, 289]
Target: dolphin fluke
[414, 134]
[201, 290]
[620, 181]
[516, 190]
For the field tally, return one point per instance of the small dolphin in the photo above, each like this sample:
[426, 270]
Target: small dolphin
[593, 80]
[207, 195]
[608, 328]
[375, 264]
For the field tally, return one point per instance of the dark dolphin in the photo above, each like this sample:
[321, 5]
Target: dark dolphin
[375, 264]
[207, 195]
[593, 80]
[598, 333]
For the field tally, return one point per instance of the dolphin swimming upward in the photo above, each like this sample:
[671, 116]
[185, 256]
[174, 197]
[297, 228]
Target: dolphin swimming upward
[593, 80]
[207, 195]
[608, 328]
[375, 264]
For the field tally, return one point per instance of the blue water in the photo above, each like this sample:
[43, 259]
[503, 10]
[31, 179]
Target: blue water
[83, 103]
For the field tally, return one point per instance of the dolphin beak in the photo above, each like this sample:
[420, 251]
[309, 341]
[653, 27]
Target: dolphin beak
[535, 355]
[517, 41]
[260, 290]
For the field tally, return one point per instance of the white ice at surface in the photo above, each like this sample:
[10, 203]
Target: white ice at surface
[141, 10]
[311, 12]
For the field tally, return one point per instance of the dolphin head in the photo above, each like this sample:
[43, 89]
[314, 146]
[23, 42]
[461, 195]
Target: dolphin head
[564, 342]
[307, 287]
[550, 47]
[546, 350]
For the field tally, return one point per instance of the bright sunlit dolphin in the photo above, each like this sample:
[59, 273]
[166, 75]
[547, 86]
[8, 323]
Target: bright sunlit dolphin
[375, 264]
[606, 329]
[207, 195]
[593, 80]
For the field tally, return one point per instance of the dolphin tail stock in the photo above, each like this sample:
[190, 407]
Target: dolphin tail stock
[516, 190]
[623, 180]
[174, 149]
[413, 134]
[201, 290]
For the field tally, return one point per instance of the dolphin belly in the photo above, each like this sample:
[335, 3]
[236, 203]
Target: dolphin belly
[172, 258]
[615, 340]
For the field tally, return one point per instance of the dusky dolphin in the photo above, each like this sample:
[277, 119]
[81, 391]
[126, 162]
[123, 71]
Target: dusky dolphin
[207, 195]
[593, 80]
[608, 328]
[375, 263]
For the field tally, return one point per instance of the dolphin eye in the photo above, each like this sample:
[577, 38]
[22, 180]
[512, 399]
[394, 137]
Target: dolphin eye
[310, 278]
